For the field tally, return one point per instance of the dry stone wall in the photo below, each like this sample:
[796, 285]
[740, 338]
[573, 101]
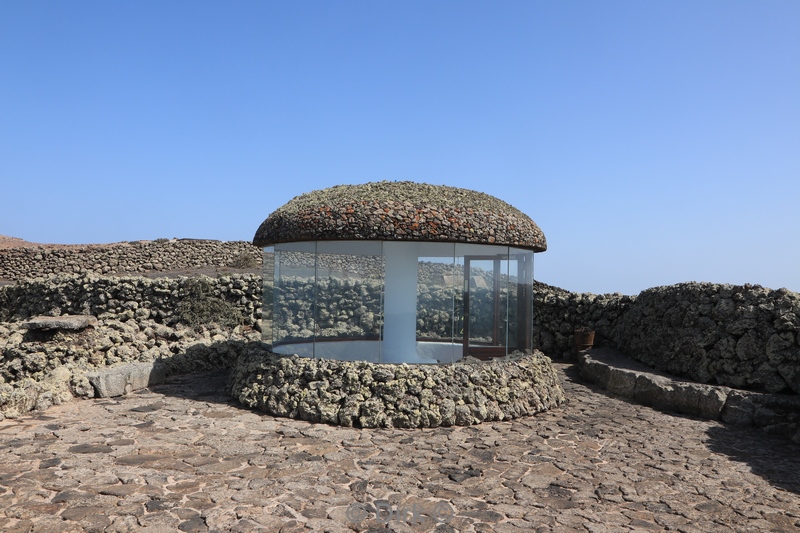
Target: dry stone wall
[370, 395]
[43, 368]
[133, 257]
[739, 336]
[234, 299]
[742, 336]
[185, 324]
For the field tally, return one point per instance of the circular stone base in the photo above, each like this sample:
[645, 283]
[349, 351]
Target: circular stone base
[369, 395]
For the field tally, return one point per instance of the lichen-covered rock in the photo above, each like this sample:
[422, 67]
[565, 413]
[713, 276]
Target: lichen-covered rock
[365, 394]
[401, 210]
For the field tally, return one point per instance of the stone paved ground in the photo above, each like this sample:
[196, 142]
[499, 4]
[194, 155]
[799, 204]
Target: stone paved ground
[182, 457]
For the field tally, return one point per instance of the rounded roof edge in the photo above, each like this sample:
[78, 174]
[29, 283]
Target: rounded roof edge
[400, 210]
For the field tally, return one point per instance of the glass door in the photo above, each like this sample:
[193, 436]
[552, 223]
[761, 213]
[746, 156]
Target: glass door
[485, 306]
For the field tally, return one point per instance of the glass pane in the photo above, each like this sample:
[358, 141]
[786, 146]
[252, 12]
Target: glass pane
[267, 294]
[510, 294]
[293, 316]
[436, 292]
[486, 271]
[349, 290]
[483, 303]
[330, 300]
[520, 308]
[435, 287]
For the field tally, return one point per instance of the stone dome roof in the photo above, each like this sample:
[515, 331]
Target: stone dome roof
[400, 210]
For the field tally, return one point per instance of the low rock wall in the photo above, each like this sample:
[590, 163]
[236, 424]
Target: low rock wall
[186, 324]
[371, 395]
[232, 300]
[42, 368]
[777, 414]
[132, 257]
[739, 336]
[744, 337]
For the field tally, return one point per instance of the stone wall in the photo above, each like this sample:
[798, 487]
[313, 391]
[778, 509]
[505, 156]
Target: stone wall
[132, 257]
[740, 336]
[234, 299]
[557, 313]
[186, 324]
[370, 395]
[43, 368]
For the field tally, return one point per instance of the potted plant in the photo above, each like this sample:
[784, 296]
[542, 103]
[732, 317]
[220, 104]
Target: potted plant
[584, 338]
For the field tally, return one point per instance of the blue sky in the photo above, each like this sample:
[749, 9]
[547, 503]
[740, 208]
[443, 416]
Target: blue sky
[653, 142]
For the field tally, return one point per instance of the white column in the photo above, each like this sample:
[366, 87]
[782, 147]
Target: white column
[400, 302]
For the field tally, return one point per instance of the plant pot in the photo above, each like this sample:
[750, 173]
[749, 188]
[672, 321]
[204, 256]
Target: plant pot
[584, 339]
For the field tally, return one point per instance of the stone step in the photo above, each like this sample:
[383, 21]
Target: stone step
[119, 380]
[630, 379]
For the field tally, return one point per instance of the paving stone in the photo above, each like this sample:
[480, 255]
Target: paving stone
[159, 520]
[79, 513]
[195, 524]
[91, 448]
[596, 462]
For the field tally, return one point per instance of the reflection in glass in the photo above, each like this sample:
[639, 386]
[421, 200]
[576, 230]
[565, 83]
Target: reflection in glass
[268, 292]
[295, 297]
[398, 302]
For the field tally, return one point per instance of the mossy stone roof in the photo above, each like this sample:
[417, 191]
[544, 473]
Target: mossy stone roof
[400, 210]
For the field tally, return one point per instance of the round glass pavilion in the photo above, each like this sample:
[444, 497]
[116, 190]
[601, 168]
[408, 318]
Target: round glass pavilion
[394, 301]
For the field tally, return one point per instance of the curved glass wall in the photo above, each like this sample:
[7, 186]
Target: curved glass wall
[397, 302]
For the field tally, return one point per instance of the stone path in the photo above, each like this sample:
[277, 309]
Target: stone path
[183, 457]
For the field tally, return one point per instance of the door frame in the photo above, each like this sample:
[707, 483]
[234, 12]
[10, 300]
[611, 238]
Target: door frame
[497, 348]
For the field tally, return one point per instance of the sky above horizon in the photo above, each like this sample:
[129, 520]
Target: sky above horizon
[653, 142]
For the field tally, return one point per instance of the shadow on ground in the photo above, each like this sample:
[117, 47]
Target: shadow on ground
[202, 371]
[206, 386]
[771, 457]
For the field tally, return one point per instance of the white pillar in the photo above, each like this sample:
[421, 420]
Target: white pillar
[400, 302]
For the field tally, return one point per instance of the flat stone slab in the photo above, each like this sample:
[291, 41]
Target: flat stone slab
[65, 322]
[120, 380]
